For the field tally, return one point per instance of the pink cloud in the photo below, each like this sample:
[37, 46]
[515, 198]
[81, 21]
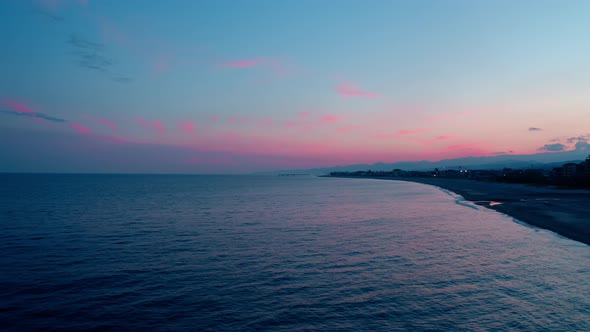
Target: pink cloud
[111, 34]
[16, 106]
[159, 127]
[187, 127]
[161, 65]
[277, 67]
[306, 121]
[463, 146]
[330, 119]
[402, 133]
[153, 125]
[245, 63]
[411, 132]
[444, 138]
[80, 128]
[231, 136]
[237, 119]
[114, 139]
[351, 90]
[265, 122]
[304, 114]
[430, 141]
[462, 114]
[103, 121]
[347, 129]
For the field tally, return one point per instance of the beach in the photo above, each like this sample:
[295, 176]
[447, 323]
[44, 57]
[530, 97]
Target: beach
[563, 211]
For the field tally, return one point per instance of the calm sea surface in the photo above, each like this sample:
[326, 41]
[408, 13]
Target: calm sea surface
[245, 253]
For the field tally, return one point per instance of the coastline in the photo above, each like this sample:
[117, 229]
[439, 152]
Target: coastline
[563, 211]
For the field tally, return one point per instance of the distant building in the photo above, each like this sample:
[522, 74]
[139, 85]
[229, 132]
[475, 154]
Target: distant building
[569, 169]
[585, 167]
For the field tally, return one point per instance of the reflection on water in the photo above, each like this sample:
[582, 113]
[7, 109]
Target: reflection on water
[251, 253]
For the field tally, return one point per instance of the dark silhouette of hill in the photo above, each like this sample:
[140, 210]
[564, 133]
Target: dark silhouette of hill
[545, 160]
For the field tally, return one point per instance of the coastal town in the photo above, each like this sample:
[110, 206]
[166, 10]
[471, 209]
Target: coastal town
[570, 175]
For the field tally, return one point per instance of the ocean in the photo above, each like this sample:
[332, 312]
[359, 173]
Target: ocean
[253, 253]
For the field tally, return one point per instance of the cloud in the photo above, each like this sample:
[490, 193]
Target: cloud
[402, 133]
[581, 142]
[582, 146]
[411, 132]
[578, 143]
[49, 15]
[122, 79]
[55, 4]
[502, 152]
[430, 141]
[161, 64]
[348, 128]
[17, 106]
[20, 109]
[350, 90]
[463, 146]
[277, 67]
[155, 125]
[244, 63]
[552, 147]
[265, 122]
[92, 55]
[159, 127]
[535, 129]
[103, 121]
[237, 119]
[80, 128]
[35, 115]
[306, 121]
[460, 114]
[187, 127]
[330, 119]
[575, 139]
[445, 138]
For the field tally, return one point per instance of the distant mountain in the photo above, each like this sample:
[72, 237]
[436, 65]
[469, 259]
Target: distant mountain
[538, 160]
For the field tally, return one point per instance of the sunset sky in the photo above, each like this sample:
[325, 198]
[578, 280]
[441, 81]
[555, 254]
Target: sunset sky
[218, 86]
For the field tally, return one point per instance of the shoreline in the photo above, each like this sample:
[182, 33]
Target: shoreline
[562, 211]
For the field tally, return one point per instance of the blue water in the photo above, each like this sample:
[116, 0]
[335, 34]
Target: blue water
[249, 253]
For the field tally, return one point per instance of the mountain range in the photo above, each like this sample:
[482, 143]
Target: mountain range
[545, 160]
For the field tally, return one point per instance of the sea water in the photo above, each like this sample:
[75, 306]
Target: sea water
[249, 253]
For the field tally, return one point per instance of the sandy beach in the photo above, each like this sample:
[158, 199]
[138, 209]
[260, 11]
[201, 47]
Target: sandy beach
[563, 211]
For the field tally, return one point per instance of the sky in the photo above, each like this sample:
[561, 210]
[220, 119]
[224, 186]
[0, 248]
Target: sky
[242, 86]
